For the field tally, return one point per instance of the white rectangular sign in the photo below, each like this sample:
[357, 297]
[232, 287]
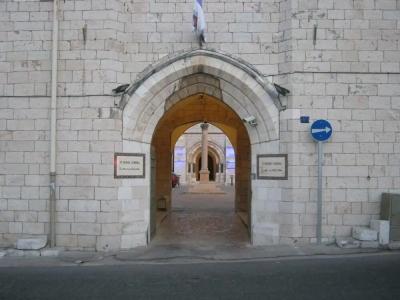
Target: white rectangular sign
[129, 165]
[272, 166]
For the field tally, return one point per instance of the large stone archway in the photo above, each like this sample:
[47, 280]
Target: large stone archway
[197, 109]
[237, 84]
[196, 75]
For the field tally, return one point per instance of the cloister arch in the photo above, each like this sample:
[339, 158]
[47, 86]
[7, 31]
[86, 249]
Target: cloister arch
[202, 78]
[196, 148]
[194, 152]
[213, 160]
[188, 173]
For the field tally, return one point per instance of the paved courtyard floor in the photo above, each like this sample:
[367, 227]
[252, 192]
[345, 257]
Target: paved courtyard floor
[202, 220]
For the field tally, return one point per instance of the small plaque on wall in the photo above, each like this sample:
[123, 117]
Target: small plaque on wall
[272, 166]
[129, 165]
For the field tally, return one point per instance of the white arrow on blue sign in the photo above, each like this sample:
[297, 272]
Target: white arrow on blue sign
[321, 130]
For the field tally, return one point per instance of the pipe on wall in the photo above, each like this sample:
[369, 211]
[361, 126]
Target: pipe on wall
[53, 126]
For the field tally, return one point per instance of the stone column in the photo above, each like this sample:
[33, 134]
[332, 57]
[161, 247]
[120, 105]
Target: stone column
[204, 173]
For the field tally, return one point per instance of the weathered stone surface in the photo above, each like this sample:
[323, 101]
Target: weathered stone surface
[31, 244]
[129, 241]
[265, 234]
[50, 252]
[32, 253]
[383, 229]
[347, 243]
[364, 234]
[370, 244]
[394, 246]
[14, 252]
[2, 253]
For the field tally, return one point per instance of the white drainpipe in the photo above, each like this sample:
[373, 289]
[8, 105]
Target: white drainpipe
[53, 126]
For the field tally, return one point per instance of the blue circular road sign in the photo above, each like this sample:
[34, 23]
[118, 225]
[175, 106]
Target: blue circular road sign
[321, 130]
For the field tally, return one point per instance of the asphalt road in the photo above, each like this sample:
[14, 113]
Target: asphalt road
[362, 277]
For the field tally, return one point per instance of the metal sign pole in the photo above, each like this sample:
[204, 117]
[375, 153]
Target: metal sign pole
[319, 195]
[321, 130]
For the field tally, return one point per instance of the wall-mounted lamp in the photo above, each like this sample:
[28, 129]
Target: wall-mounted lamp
[281, 90]
[120, 89]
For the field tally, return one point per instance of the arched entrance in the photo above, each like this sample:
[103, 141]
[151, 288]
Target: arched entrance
[201, 78]
[188, 111]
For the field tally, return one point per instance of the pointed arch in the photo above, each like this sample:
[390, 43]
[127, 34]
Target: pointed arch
[233, 81]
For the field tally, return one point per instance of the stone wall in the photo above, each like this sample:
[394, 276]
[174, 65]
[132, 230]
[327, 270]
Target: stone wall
[350, 76]
[361, 159]
[24, 166]
[89, 133]
[106, 43]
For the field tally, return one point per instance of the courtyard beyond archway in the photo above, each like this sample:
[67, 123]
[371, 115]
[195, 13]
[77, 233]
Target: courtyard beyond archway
[202, 220]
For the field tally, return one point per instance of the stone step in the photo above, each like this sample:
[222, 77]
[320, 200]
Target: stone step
[370, 244]
[364, 234]
[47, 252]
[205, 188]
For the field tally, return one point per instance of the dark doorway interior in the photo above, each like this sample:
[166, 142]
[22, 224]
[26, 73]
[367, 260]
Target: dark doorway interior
[210, 168]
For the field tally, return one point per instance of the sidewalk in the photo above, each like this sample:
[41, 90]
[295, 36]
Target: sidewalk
[188, 253]
[181, 253]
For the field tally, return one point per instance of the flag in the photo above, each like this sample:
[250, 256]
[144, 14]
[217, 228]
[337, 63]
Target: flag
[199, 22]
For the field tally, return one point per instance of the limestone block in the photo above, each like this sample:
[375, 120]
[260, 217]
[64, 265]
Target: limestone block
[382, 227]
[31, 244]
[111, 229]
[105, 193]
[364, 234]
[33, 228]
[108, 243]
[370, 244]
[107, 217]
[133, 240]
[80, 193]
[87, 241]
[265, 234]
[394, 245]
[134, 227]
[89, 157]
[84, 205]
[86, 228]
[50, 252]
[110, 206]
[85, 217]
